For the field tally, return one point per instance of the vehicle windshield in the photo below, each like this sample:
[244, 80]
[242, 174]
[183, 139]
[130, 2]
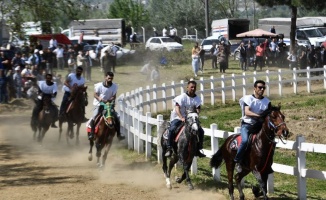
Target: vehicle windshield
[167, 40]
[313, 33]
[322, 30]
[210, 42]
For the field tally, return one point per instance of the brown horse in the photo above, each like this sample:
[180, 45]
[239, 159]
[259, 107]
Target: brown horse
[104, 134]
[44, 120]
[74, 114]
[258, 158]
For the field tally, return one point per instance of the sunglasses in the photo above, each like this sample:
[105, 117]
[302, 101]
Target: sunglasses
[261, 87]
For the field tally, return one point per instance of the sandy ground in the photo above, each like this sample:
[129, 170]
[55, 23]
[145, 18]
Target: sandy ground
[55, 170]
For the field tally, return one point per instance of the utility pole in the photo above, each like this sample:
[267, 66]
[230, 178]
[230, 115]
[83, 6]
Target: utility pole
[207, 18]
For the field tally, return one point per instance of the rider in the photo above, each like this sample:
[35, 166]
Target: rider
[182, 103]
[73, 79]
[105, 91]
[253, 107]
[47, 87]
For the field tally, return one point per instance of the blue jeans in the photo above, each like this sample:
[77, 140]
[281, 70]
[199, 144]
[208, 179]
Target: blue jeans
[64, 102]
[244, 135]
[18, 92]
[195, 65]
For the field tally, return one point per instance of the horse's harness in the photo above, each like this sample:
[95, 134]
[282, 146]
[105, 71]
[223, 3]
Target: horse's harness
[275, 127]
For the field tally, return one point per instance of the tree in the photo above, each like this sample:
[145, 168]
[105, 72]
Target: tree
[294, 5]
[133, 12]
[17, 12]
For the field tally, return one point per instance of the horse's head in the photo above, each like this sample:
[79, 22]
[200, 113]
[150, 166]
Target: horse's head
[108, 113]
[46, 101]
[192, 120]
[77, 90]
[275, 120]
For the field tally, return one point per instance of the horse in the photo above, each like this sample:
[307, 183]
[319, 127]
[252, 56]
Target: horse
[74, 114]
[185, 148]
[104, 133]
[44, 120]
[258, 157]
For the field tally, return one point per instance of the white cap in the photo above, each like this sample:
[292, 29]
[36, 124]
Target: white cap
[41, 52]
[35, 50]
[17, 68]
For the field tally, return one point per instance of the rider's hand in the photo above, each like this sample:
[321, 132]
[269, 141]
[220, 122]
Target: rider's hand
[183, 119]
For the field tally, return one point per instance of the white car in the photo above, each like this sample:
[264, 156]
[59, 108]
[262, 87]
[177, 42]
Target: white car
[163, 44]
[120, 53]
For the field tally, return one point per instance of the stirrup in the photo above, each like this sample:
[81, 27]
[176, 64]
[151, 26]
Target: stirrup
[168, 152]
[238, 167]
[91, 136]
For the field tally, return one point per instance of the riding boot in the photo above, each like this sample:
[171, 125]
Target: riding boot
[200, 146]
[91, 134]
[117, 128]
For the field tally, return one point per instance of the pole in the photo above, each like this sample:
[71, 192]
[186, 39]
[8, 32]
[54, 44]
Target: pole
[143, 34]
[186, 32]
[207, 18]
[196, 34]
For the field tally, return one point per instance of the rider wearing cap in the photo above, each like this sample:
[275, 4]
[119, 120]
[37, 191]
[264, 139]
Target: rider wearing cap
[47, 87]
[253, 107]
[105, 92]
[182, 103]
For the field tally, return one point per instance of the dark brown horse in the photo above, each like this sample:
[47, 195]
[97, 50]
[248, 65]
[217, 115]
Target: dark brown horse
[104, 133]
[258, 158]
[74, 114]
[44, 120]
[185, 149]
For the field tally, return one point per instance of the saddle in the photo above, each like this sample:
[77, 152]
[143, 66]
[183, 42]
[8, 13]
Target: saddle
[178, 130]
[235, 144]
[100, 116]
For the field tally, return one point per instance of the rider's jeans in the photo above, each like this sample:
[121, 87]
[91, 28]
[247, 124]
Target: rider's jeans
[244, 135]
[174, 124]
[65, 98]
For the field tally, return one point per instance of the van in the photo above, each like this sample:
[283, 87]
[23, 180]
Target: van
[90, 40]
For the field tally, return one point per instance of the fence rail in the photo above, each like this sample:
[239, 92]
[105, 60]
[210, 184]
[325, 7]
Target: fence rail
[139, 127]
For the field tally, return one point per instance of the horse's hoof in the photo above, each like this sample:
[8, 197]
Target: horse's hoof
[169, 186]
[178, 179]
[71, 136]
[90, 157]
[191, 187]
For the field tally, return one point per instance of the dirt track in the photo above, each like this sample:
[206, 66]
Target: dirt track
[58, 171]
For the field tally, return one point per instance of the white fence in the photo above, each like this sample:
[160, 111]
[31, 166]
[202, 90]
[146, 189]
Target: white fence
[139, 127]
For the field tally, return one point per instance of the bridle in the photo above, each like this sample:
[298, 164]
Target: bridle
[275, 127]
[193, 121]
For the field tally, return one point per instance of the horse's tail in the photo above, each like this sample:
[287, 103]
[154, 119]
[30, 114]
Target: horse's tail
[161, 131]
[217, 159]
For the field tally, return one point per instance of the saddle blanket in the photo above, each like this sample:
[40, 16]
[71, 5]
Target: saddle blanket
[235, 143]
[88, 127]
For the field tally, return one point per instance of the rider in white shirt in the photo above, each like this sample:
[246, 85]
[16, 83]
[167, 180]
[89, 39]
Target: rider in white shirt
[253, 107]
[73, 79]
[105, 92]
[47, 87]
[182, 103]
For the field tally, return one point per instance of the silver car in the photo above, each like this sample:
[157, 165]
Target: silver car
[163, 44]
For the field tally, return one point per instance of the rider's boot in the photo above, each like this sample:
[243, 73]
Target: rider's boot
[91, 134]
[117, 128]
[238, 167]
[200, 146]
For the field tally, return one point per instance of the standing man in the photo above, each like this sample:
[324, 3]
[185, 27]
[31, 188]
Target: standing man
[253, 108]
[47, 87]
[105, 92]
[53, 43]
[73, 79]
[181, 104]
[243, 56]
[113, 56]
[59, 53]
[214, 52]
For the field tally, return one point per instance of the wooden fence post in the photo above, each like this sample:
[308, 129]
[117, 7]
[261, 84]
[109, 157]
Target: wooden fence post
[268, 89]
[295, 82]
[148, 98]
[154, 98]
[223, 88]
[164, 97]
[148, 142]
[140, 128]
[301, 165]
[214, 146]
[202, 96]
[135, 128]
[212, 91]
[308, 80]
[233, 88]
[130, 124]
[159, 147]
[244, 90]
[280, 82]
[324, 76]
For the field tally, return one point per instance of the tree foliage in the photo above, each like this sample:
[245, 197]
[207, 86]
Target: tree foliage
[58, 12]
[132, 11]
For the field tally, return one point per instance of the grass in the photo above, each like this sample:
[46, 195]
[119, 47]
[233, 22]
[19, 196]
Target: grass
[227, 116]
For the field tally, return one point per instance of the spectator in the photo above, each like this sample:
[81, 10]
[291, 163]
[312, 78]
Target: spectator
[259, 56]
[292, 58]
[195, 59]
[3, 87]
[18, 82]
[222, 60]
[128, 32]
[106, 67]
[272, 49]
[165, 32]
[243, 56]
[202, 57]
[113, 56]
[88, 67]
[214, 52]
[250, 56]
[272, 30]
[72, 65]
[53, 43]
[59, 54]
[155, 75]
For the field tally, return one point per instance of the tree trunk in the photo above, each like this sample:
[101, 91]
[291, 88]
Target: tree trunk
[294, 10]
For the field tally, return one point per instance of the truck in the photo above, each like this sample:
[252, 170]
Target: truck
[229, 28]
[306, 29]
[110, 30]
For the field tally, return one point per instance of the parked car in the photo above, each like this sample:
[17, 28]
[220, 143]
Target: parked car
[208, 43]
[121, 53]
[162, 44]
[190, 37]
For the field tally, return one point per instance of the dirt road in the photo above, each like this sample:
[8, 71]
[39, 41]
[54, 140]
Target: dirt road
[55, 170]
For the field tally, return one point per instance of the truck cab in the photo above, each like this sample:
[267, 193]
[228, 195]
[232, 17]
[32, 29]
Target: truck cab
[312, 34]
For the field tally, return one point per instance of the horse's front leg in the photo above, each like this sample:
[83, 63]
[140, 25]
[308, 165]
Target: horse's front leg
[107, 149]
[60, 130]
[262, 180]
[173, 160]
[98, 153]
[77, 133]
[186, 167]
[91, 144]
